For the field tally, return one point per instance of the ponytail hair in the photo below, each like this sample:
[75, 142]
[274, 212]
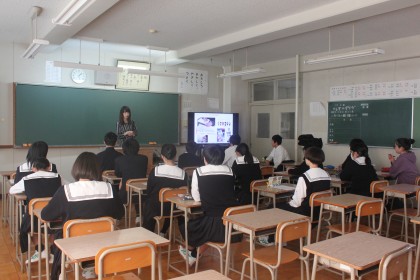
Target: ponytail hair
[243, 150]
[405, 143]
[363, 151]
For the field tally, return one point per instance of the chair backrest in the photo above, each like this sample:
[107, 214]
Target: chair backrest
[166, 193]
[119, 258]
[133, 181]
[267, 171]
[370, 208]
[313, 203]
[418, 180]
[13, 175]
[239, 210]
[257, 183]
[190, 170]
[395, 263]
[79, 227]
[108, 172]
[375, 186]
[36, 203]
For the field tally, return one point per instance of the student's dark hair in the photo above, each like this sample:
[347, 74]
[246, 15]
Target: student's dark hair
[191, 147]
[213, 155]
[355, 142]
[110, 139]
[41, 163]
[277, 139]
[405, 143]
[243, 150]
[168, 151]
[38, 149]
[315, 155]
[131, 147]
[235, 139]
[363, 151]
[86, 166]
[122, 110]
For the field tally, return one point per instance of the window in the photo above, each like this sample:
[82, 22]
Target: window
[274, 90]
[263, 125]
[263, 91]
[287, 125]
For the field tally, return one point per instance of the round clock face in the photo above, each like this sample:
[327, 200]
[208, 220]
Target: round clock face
[78, 76]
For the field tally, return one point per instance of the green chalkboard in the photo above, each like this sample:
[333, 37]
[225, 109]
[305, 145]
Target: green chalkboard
[377, 122]
[65, 116]
[416, 120]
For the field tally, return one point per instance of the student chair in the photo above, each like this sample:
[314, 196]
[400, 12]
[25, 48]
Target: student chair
[79, 227]
[190, 170]
[267, 171]
[411, 212]
[375, 189]
[395, 264]
[36, 203]
[120, 258]
[315, 207]
[256, 183]
[108, 173]
[272, 257]
[364, 208]
[221, 246]
[127, 208]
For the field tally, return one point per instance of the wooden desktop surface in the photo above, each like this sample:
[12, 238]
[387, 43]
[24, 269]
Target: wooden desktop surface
[203, 275]
[401, 188]
[184, 203]
[344, 200]
[275, 190]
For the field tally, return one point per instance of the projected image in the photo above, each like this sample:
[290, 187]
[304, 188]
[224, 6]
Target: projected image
[212, 128]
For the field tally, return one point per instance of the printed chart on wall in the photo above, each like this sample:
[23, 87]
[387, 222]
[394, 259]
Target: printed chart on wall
[193, 82]
[213, 128]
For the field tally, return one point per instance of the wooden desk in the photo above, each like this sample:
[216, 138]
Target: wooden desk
[352, 252]
[83, 248]
[284, 174]
[339, 203]
[401, 191]
[186, 206]
[274, 193]
[382, 175]
[137, 187]
[337, 183]
[203, 275]
[416, 220]
[111, 178]
[6, 177]
[289, 165]
[255, 223]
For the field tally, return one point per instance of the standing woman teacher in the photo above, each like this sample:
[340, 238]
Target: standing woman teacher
[126, 128]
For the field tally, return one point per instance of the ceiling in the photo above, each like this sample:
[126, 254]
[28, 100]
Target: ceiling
[215, 32]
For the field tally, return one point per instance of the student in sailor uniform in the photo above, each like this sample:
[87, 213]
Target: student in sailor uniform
[40, 183]
[189, 158]
[38, 149]
[167, 175]
[213, 185]
[359, 171]
[230, 153]
[353, 143]
[279, 154]
[246, 169]
[87, 198]
[126, 128]
[107, 157]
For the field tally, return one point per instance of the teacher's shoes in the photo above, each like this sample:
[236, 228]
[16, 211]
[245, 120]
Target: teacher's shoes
[183, 252]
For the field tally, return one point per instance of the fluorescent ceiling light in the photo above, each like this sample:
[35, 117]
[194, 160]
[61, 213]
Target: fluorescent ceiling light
[87, 66]
[155, 73]
[72, 11]
[242, 73]
[347, 55]
[33, 48]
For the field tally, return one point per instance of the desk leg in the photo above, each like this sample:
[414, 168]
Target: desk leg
[159, 263]
[130, 197]
[63, 266]
[314, 267]
[227, 263]
[140, 212]
[343, 221]
[416, 266]
[47, 248]
[170, 234]
[405, 218]
[187, 265]
[3, 199]
[11, 216]
[39, 249]
[352, 274]
[274, 201]
[251, 255]
[76, 271]
[321, 209]
[258, 200]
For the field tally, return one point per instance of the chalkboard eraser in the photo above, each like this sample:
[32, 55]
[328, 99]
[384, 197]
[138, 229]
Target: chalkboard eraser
[333, 142]
[152, 142]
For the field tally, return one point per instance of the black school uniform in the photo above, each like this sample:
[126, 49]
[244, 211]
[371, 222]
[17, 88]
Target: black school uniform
[107, 158]
[189, 160]
[245, 173]
[163, 176]
[25, 169]
[213, 185]
[130, 167]
[36, 185]
[360, 175]
[81, 200]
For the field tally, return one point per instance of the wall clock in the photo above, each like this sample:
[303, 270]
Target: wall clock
[78, 76]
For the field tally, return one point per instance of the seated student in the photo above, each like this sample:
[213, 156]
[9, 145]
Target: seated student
[307, 141]
[189, 158]
[353, 142]
[130, 166]
[167, 175]
[38, 149]
[404, 167]
[359, 171]
[313, 180]
[40, 183]
[107, 157]
[230, 153]
[87, 198]
[246, 169]
[278, 154]
[213, 185]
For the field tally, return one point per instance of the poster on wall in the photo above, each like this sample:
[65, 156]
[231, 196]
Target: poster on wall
[194, 81]
[133, 81]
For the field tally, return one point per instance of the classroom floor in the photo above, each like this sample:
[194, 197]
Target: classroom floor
[10, 269]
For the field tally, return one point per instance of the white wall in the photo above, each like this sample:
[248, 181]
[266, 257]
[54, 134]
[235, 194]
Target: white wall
[16, 69]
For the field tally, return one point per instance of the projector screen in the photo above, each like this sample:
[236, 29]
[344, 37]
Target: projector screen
[212, 128]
